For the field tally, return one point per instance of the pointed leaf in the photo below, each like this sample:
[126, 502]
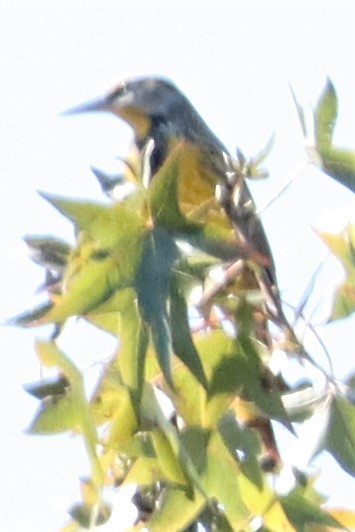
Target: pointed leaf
[31, 317]
[95, 282]
[50, 388]
[325, 116]
[47, 251]
[107, 225]
[152, 412]
[81, 213]
[55, 416]
[183, 345]
[339, 163]
[221, 481]
[188, 397]
[167, 459]
[50, 356]
[124, 423]
[152, 284]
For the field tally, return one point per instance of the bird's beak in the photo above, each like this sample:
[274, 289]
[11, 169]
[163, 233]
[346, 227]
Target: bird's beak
[96, 105]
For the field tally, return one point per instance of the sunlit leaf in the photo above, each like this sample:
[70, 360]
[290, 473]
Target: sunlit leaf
[345, 517]
[178, 510]
[128, 326]
[93, 277]
[221, 481]
[50, 356]
[188, 396]
[55, 416]
[325, 116]
[92, 285]
[123, 425]
[167, 458]
[145, 471]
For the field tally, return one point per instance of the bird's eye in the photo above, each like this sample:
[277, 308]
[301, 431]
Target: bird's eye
[119, 91]
[123, 88]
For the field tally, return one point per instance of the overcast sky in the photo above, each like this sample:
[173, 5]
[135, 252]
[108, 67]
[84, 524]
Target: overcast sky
[235, 61]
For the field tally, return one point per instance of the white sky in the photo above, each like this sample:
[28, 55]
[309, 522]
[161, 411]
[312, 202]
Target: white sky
[234, 60]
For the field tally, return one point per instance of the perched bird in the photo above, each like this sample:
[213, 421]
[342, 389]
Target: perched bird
[160, 115]
[162, 118]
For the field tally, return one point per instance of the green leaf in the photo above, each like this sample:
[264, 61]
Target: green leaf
[214, 240]
[107, 225]
[325, 116]
[173, 445]
[124, 422]
[221, 481]
[152, 284]
[195, 440]
[178, 510]
[183, 345]
[108, 315]
[47, 251]
[188, 396]
[76, 406]
[31, 317]
[340, 438]
[259, 384]
[302, 512]
[145, 471]
[167, 457]
[93, 276]
[95, 281]
[238, 369]
[120, 316]
[339, 163]
[55, 416]
[245, 440]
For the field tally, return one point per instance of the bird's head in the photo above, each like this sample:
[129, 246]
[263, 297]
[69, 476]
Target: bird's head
[139, 102]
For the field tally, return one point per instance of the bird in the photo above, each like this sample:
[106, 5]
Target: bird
[160, 116]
